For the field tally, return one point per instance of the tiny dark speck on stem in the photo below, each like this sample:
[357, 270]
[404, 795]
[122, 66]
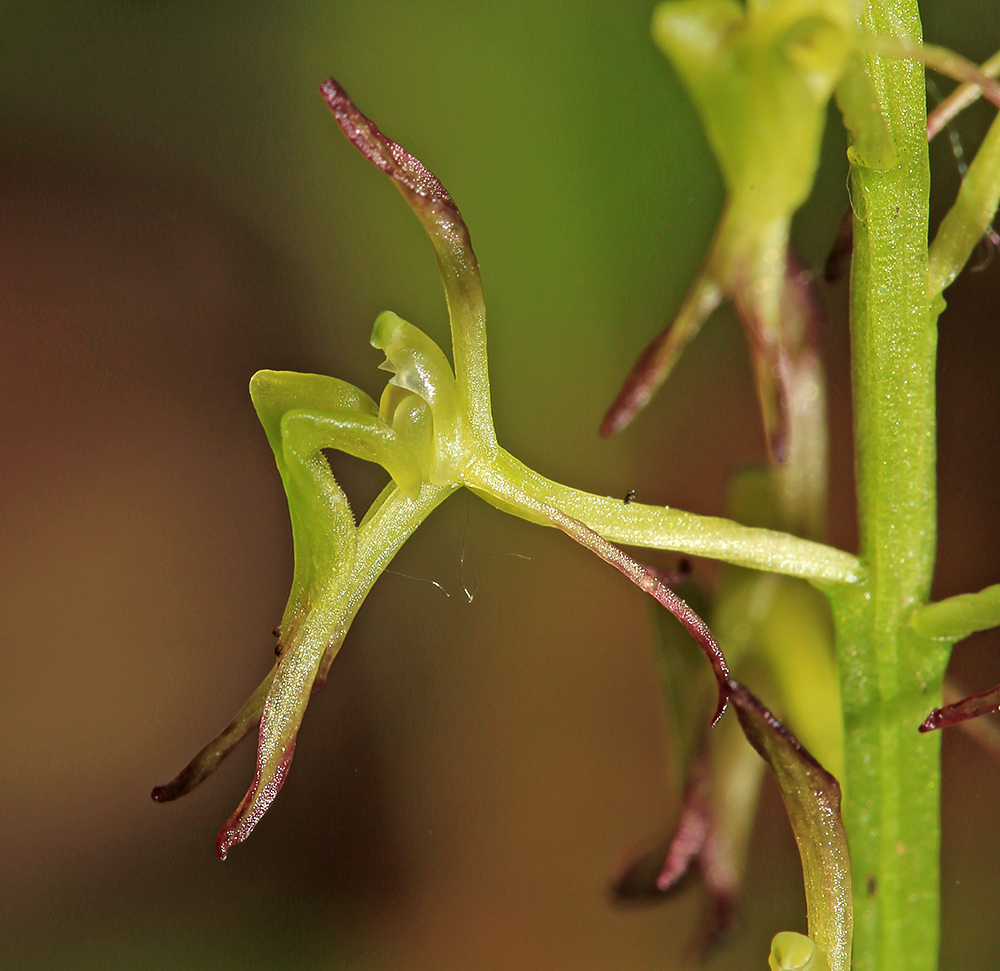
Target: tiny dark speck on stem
[629, 496]
[872, 886]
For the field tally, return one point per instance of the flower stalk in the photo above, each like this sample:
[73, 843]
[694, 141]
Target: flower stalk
[889, 674]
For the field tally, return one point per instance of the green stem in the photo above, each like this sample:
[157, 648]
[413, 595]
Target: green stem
[890, 676]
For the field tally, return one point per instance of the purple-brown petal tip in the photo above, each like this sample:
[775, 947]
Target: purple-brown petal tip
[209, 758]
[972, 707]
[655, 873]
[424, 193]
[255, 803]
[179, 785]
[640, 883]
[420, 185]
[656, 361]
[647, 374]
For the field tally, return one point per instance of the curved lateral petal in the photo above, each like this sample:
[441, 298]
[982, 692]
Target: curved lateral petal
[211, 756]
[275, 393]
[366, 437]
[325, 542]
[442, 221]
[812, 801]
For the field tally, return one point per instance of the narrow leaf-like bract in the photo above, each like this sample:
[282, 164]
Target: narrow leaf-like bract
[812, 801]
[972, 707]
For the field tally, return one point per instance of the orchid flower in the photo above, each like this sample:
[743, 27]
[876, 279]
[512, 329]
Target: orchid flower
[432, 431]
[761, 76]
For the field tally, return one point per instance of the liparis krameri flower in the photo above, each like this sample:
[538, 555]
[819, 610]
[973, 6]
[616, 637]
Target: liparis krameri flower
[432, 432]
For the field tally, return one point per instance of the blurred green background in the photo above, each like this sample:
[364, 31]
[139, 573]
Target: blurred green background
[177, 209]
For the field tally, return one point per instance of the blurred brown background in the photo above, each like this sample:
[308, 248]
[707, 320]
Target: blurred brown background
[177, 209]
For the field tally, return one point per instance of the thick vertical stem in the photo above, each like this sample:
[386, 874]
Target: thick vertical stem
[889, 675]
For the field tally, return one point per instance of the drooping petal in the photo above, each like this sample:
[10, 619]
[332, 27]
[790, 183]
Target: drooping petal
[649, 583]
[209, 758]
[323, 530]
[812, 801]
[722, 776]
[325, 541]
[737, 774]
[279, 725]
[440, 217]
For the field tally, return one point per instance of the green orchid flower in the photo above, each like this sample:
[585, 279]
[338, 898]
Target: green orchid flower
[432, 431]
[761, 77]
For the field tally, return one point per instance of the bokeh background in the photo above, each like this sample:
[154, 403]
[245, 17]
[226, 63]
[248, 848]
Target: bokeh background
[177, 209]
